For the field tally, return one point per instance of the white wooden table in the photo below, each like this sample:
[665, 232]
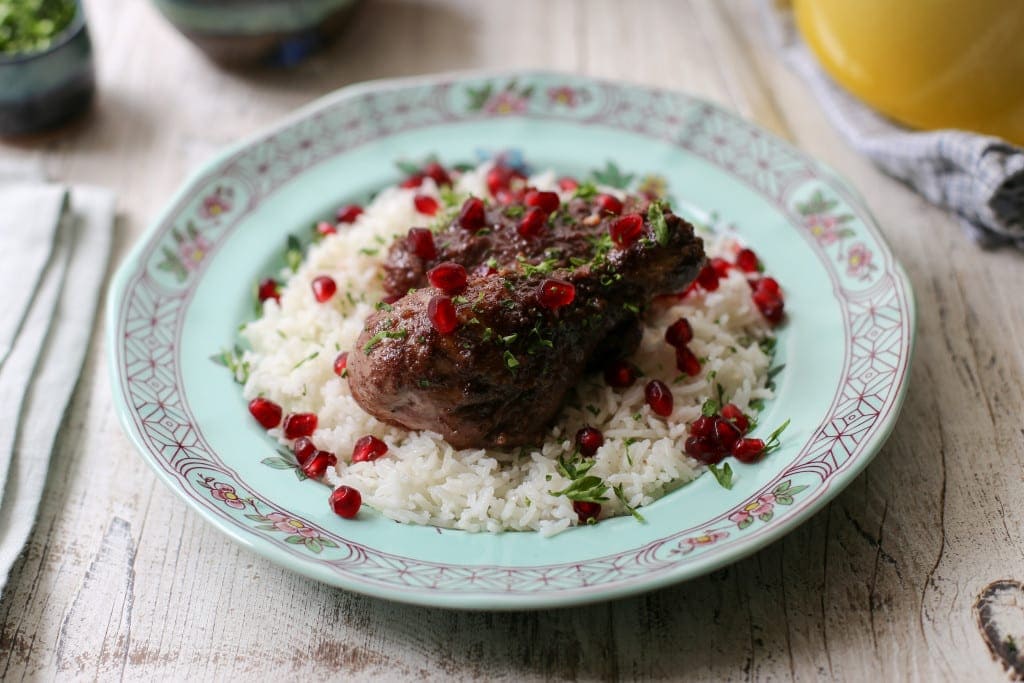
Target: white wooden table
[121, 580]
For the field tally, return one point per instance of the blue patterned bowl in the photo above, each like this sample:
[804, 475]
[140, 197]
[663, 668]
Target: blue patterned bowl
[41, 90]
[281, 32]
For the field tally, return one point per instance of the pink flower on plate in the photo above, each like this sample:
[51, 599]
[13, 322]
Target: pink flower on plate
[193, 251]
[824, 227]
[227, 494]
[505, 103]
[290, 525]
[764, 505]
[215, 203]
[706, 538]
[563, 96]
[858, 260]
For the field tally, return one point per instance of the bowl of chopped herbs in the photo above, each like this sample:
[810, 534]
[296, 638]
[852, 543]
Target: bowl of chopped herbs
[46, 64]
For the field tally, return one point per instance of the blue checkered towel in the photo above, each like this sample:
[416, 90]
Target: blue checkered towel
[978, 177]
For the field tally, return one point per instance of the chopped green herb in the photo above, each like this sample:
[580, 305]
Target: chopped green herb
[368, 251]
[577, 261]
[305, 360]
[460, 300]
[32, 26]
[423, 383]
[386, 334]
[511, 362]
[723, 474]
[509, 339]
[232, 360]
[383, 306]
[491, 263]
[710, 408]
[632, 308]
[293, 253]
[656, 217]
[488, 333]
[586, 190]
[514, 211]
[625, 503]
[593, 410]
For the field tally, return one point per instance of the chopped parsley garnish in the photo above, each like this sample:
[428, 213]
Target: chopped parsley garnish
[305, 360]
[514, 211]
[510, 338]
[632, 308]
[511, 362]
[586, 190]
[386, 334]
[584, 487]
[383, 306]
[423, 383]
[625, 503]
[293, 253]
[232, 360]
[368, 251]
[543, 268]
[723, 474]
[656, 217]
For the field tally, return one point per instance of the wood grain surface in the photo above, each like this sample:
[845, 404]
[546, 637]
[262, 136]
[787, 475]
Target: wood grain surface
[912, 573]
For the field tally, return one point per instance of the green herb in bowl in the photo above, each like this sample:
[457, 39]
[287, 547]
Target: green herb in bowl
[31, 25]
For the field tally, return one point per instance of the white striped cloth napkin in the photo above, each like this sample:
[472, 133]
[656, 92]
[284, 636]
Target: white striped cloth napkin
[54, 247]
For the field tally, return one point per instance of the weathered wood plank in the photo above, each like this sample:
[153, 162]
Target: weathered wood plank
[121, 580]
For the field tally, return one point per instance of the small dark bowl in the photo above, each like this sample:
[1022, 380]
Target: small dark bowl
[43, 89]
[279, 32]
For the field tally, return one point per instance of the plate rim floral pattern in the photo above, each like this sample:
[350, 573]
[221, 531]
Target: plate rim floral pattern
[869, 277]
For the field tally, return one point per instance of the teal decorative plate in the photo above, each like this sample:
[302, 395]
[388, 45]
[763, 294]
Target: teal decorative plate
[186, 287]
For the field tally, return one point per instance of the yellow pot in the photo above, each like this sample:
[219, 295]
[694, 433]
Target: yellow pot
[926, 63]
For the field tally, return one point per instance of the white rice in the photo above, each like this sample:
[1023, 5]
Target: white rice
[423, 480]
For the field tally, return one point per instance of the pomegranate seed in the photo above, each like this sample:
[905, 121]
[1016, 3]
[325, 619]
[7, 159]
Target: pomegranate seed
[556, 293]
[324, 228]
[627, 230]
[421, 241]
[768, 299]
[472, 217]
[448, 277]
[702, 426]
[609, 204]
[704, 449]
[769, 284]
[588, 440]
[708, 278]
[368, 448]
[748, 450]
[567, 184]
[303, 448]
[687, 362]
[548, 202]
[349, 214]
[324, 287]
[503, 178]
[747, 261]
[506, 197]
[425, 204]
[437, 173]
[268, 289]
[735, 415]
[620, 374]
[586, 512]
[346, 501]
[659, 397]
[726, 433]
[299, 424]
[415, 180]
[721, 266]
[266, 412]
[317, 465]
[679, 333]
[532, 223]
[341, 364]
[441, 312]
